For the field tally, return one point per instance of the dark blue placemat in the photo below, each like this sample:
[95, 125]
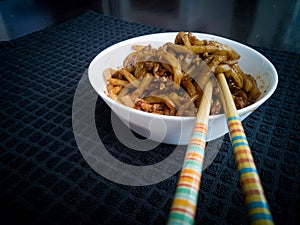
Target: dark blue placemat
[44, 178]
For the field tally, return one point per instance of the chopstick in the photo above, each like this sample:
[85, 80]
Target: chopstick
[184, 204]
[258, 211]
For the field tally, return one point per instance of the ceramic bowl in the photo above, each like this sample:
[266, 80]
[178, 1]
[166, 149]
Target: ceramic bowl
[176, 129]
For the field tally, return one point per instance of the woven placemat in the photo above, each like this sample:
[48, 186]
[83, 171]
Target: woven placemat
[44, 177]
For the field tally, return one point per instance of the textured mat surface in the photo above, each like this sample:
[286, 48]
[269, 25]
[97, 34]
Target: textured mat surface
[44, 178]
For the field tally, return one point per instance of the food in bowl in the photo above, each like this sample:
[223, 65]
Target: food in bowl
[178, 129]
[169, 80]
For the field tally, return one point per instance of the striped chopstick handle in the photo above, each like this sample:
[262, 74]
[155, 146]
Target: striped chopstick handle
[184, 205]
[254, 197]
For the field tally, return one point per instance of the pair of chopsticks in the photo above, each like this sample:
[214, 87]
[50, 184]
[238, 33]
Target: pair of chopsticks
[184, 205]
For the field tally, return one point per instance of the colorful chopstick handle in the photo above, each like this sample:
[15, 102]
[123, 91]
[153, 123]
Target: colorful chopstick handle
[184, 205]
[254, 197]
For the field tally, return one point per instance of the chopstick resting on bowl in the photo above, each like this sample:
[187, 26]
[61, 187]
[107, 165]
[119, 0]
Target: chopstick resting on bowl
[254, 197]
[184, 205]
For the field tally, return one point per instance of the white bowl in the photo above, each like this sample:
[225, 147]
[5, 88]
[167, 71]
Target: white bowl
[176, 129]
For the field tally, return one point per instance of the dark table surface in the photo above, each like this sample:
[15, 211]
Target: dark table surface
[46, 180]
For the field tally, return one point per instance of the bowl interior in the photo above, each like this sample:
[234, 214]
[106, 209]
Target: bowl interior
[251, 62]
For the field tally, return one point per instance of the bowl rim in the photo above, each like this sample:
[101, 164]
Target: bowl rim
[129, 41]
